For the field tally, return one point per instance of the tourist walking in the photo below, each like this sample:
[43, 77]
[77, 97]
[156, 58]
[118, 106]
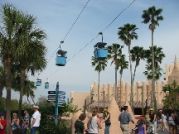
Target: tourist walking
[25, 122]
[35, 120]
[2, 123]
[79, 124]
[106, 116]
[124, 119]
[15, 124]
[94, 123]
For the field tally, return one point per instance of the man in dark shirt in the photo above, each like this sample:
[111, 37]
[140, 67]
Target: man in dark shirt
[124, 119]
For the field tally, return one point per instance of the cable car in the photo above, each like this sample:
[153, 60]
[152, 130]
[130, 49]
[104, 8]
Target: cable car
[100, 51]
[46, 85]
[61, 58]
[38, 82]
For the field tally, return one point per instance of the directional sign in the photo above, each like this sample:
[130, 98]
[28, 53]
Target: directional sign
[54, 92]
[51, 92]
[61, 97]
[61, 101]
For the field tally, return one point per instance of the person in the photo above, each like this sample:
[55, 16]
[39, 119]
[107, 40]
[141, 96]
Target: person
[35, 120]
[15, 124]
[106, 116]
[152, 122]
[171, 123]
[141, 127]
[124, 119]
[25, 122]
[94, 123]
[79, 124]
[2, 123]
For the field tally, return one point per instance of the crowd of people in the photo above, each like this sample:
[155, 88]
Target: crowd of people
[25, 124]
[159, 122]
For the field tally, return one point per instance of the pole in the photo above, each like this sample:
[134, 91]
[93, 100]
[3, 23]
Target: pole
[56, 103]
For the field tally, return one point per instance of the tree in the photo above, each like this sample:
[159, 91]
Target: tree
[123, 65]
[137, 54]
[2, 81]
[158, 56]
[9, 28]
[115, 53]
[99, 65]
[30, 52]
[152, 16]
[171, 101]
[127, 33]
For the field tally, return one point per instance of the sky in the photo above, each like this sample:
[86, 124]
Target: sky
[56, 17]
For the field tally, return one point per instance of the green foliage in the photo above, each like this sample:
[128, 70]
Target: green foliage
[158, 58]
[171, 100]
[152, 16]
[68, 108]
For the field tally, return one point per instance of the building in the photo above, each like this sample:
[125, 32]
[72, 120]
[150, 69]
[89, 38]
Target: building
[142, 91]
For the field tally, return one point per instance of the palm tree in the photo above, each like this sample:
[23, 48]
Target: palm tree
[127, 33]
[2, 81]
[152, 16]
[115, 53]
[30, 52]
[137, 54]
[99, 66]
[159, 55]
[9, 28]
[123, 65]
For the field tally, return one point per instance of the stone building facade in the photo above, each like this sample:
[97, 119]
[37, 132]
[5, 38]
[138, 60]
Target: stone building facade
[142, 91]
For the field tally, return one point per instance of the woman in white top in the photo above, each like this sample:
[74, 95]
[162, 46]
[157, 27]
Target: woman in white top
[94, 124]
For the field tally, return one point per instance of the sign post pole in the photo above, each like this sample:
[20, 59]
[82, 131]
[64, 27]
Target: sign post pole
[56, 103]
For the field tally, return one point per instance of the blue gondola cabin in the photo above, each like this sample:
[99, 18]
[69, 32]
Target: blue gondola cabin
[100, 51]
[38, 82]
[46, 85]
[61, 58]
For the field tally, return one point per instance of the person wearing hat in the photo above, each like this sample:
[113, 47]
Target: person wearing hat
[2, 124]
[35, 120]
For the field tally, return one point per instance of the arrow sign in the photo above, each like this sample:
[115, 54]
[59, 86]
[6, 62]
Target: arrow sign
[59, 92]
[51, 92]
[61, 101]
[61, 97]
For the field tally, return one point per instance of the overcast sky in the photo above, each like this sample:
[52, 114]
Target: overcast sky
[55, 17]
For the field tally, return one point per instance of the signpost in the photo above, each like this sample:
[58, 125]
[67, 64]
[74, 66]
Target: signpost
[58, 97]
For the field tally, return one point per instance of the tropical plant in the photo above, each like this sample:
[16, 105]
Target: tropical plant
[99, 65]
[171, 100]
[137, 54]
[2, 81]
[7, 46]
[30, 52]
[158, 56]
[127, 33]
[152, 16]
[115, 53]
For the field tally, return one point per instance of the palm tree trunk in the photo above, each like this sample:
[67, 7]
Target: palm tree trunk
[120, 90]
[98, 88]
[153, 99]
[115, 85]
[21, 90]
[8, 80]
[1, 90]
[131, 97]
[133, 77]
[32, 100]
